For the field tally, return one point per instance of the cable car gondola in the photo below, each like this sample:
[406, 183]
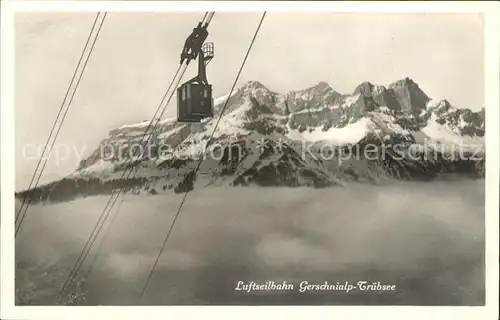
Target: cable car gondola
[194, 97]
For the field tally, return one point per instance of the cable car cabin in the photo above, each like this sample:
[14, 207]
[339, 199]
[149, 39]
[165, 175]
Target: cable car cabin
[194, 98]
[194, 102]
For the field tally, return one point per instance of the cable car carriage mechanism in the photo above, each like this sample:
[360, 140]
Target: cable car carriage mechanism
[194, 97]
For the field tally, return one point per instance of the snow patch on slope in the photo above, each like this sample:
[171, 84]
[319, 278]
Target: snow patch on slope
[350, 134]
[445, 136]
[232, 123]
[220, 100]
[387, 122]
[433, 103]
[349, 101]
[144, 124]
[166, 134]
[99, 167]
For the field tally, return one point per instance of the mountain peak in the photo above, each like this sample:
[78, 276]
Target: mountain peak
[255, 113]
[254, 84]
[409, 96]
[321, 86]
[482, 112]
[319, 89]
[365, 88]
[405, 82]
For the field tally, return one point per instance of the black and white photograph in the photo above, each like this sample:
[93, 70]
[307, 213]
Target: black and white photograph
[251, 158]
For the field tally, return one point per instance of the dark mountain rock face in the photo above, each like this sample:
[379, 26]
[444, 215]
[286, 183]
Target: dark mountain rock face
[402, 96]
[311, 98]
[410, 97]
[314, 137]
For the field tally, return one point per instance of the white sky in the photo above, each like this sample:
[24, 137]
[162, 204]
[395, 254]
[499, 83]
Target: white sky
[137, 54]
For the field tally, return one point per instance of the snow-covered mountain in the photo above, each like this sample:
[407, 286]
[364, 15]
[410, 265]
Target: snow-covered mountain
[312, 137]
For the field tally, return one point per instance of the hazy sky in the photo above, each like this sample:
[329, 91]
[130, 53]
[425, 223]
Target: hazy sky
[137, 54]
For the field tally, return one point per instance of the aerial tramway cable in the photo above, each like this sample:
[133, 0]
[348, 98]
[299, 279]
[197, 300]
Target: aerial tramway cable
[77, 74]
[200, 161]
[106, 232]
[101, 244]
[111, 201]
[126, 174]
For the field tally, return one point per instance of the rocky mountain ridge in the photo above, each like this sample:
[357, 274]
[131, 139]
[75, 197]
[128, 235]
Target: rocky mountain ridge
[313, 137]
